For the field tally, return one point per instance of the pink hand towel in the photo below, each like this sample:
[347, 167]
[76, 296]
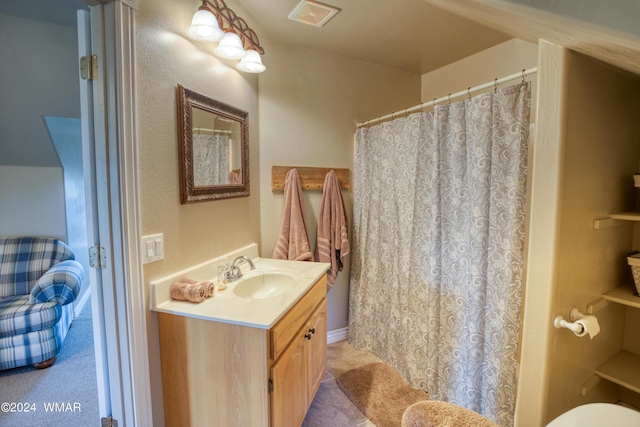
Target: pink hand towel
[293, 241]
[209, 287]
[193, 292]
[333, 228]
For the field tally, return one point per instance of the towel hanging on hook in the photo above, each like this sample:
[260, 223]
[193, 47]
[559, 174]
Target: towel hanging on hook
[332, 243]
[293, 239]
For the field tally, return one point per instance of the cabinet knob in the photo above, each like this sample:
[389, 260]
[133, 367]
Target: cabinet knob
[308, 336]
[312, 330]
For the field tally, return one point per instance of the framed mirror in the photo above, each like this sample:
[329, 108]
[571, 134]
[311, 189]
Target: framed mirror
[213, 138]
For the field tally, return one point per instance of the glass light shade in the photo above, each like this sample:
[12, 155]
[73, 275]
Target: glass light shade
[204, 27]
[230, 47]
[252, 63]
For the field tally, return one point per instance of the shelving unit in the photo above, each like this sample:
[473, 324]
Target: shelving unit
[624, 368]
[616, 219]
[623, 295]
[626, 216]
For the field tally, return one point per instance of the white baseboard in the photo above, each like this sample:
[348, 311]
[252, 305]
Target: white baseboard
[337, 335]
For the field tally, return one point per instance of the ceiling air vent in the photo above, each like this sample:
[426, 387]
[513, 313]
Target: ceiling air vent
[313, 13]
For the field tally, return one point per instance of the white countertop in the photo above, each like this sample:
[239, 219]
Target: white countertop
[227, 307]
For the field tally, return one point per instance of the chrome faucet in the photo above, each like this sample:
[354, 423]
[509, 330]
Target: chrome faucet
[234, 272]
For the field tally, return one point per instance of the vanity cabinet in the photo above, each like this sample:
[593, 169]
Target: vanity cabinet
[223, 374]
[297, 374]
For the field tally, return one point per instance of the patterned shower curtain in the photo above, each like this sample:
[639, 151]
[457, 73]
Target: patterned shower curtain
[438, 243]
[211, 154]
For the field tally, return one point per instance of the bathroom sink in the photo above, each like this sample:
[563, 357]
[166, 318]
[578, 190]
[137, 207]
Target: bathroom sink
[265, 284]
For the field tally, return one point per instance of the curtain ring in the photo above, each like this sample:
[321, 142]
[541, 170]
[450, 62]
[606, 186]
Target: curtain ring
[469, 92]
[523, 75]
[434, 101]
[449, 97]
[495, 85]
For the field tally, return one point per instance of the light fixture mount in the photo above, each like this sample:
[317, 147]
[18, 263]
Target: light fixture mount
[228, 20]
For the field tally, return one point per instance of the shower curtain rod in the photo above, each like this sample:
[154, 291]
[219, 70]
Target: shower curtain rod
[523, 74]
[212, 130]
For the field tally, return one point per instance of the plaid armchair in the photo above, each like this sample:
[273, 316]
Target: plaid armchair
[39, 279]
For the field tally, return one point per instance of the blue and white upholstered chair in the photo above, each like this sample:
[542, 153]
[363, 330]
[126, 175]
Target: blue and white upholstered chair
[39, 280]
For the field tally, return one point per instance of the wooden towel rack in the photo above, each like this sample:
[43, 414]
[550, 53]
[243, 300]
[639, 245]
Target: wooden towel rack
[311, 178]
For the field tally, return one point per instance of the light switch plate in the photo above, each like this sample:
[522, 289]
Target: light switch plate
[152, 248]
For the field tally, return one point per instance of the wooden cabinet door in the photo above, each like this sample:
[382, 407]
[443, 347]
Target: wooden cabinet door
[289, 395]
[316, 349]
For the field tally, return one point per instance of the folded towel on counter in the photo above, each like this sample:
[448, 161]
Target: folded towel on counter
[209, 287]
[333, 233]
[293, 241]
[194, 292]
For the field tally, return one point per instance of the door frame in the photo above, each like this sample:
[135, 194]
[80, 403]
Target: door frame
[115, 132]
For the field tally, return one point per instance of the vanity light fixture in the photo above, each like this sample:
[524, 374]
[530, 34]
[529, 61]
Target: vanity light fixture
[204, 26]
[215, 22]
[251, 63]
[230, 47]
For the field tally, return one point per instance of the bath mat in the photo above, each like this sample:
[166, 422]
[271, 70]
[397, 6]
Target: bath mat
[380, 393]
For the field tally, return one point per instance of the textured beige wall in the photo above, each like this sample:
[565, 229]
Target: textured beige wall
[498, 61]
[601, 153]
[309, 105]
[196, 232]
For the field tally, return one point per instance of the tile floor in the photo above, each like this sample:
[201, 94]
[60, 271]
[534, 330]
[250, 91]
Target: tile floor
[331, 407]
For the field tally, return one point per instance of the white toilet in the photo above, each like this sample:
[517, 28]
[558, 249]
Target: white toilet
[598, 415]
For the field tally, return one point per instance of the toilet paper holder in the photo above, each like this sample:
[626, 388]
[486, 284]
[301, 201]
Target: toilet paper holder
[582, 325]
[576, 328]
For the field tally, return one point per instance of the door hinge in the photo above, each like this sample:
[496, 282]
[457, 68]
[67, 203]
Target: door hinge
[270, 387]
[97, 257]
[89, 67]
[109, 422]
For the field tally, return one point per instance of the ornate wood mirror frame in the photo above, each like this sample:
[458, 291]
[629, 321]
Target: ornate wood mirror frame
[213, 140]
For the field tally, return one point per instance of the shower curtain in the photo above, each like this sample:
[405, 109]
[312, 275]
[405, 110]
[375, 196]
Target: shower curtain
[211, 154]
[436, 274]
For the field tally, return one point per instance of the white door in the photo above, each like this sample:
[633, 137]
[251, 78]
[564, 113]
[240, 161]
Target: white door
[93, 155]
[109, 123]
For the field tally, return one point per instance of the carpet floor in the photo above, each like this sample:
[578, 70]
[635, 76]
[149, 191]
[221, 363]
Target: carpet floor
[66, 394]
